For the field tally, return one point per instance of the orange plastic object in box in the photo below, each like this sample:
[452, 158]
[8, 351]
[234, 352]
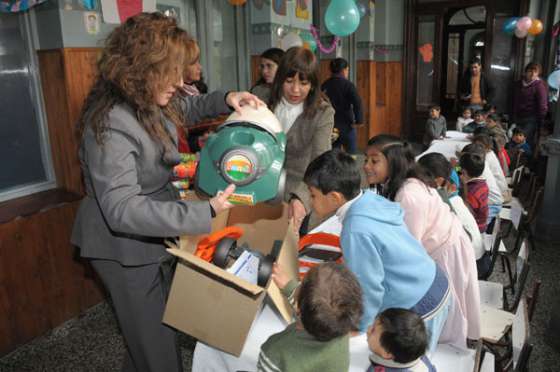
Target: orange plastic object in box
[207, 246]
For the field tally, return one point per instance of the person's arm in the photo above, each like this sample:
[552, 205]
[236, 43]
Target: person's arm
[321, 142]
[542, 101]
[414, 202]
[362, 257]
[197, 108]
[431, 129]
[356, 104]
[113, 170]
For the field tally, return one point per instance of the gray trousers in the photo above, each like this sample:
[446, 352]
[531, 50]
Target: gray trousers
[138, 297]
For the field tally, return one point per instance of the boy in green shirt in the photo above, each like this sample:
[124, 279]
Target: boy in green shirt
[329, 307]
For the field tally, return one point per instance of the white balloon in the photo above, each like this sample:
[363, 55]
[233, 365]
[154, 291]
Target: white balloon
[291, 40]
[521, 33]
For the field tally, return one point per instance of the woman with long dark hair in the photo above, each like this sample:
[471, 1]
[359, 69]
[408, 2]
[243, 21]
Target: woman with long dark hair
[307, 119]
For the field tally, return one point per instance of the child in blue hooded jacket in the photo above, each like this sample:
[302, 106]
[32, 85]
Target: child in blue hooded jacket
[392, 267]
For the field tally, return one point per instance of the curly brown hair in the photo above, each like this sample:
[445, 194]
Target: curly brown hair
[141, 57]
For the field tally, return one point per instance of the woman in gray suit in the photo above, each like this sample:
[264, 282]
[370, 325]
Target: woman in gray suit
[307, 117]
[128, 148]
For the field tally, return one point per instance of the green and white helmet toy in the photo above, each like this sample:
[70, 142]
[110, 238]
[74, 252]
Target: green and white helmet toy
[248, 150]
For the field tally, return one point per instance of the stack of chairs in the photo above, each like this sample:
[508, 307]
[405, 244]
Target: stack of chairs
[505, 323]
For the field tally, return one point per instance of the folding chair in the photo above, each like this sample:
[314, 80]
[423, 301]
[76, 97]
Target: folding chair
[522, 256]
[520, 347]
[492, 293]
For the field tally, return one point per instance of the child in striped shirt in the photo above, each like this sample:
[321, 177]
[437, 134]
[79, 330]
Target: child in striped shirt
[476, 188]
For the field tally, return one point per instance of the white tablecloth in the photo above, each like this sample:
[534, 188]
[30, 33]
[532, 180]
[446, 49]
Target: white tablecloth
[448, 146]
[268, 322]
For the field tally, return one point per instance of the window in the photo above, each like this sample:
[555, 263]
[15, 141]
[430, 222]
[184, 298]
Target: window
[223, 34]
[25, 164]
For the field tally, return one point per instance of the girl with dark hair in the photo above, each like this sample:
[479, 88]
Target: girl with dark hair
[391, 166]
[270, 60]
[127, 153]
[307, 119]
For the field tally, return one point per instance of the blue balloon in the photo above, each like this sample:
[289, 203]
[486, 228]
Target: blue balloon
[342, 17]
[510, 25]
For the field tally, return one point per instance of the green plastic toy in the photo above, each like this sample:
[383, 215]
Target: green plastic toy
[248, 150]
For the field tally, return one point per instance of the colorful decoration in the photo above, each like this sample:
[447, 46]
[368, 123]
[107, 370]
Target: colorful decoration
[302, 9]
[323, 48]
[554, 80]
[118, 11]
[524, 23]
[237, 2]
[510, 25]
[291, 40]
[521, 27]
[536, 27]
[520, 33]
[279, 7]
[342, 17]
[14, 6]
[308, 41]
[427, 52]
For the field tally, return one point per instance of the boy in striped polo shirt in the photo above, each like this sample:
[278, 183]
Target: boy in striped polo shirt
[476, 188]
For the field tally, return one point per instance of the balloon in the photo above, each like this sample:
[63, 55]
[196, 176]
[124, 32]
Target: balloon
[291, 40]
[520, 33]
[524, 23]
[342, 17]
[554, 80]
[536, 27]
[510, 25]
[237, 2]
[308, 41]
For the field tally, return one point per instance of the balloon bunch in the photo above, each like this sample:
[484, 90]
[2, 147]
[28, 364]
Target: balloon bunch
[523, 26]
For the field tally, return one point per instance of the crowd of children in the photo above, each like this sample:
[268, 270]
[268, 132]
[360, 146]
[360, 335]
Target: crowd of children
[412, 243]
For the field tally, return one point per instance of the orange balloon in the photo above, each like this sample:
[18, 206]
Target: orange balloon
[237, 2]
[536, 27]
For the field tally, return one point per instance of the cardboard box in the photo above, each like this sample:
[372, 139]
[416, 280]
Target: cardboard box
[215, 306]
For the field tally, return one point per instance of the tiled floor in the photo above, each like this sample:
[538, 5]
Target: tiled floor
[92, 342]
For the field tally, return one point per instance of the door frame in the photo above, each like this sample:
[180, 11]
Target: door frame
[441, 9]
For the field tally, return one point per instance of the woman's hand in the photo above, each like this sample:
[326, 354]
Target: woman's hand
[279, 276]
[220, 202]
[296, 212]
[238, 99]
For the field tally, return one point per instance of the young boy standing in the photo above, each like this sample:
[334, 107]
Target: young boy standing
[436, 126]
[329, 307]
[518, 149]
[398, 340]
[392, 267]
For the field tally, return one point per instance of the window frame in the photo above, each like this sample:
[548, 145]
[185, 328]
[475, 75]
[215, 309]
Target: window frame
[30, 36]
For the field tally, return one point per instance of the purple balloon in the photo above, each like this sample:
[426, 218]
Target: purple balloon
[524, 23]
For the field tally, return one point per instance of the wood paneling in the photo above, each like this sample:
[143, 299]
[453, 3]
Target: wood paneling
[42, 284]
[380, 87]
[66, 77]
[324, 70]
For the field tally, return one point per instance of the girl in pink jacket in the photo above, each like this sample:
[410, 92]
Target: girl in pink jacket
[391, 166]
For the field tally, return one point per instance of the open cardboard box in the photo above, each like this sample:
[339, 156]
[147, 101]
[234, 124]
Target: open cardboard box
[217, 307]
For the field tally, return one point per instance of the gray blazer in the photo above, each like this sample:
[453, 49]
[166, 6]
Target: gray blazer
[130, 205]
[306, 139]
